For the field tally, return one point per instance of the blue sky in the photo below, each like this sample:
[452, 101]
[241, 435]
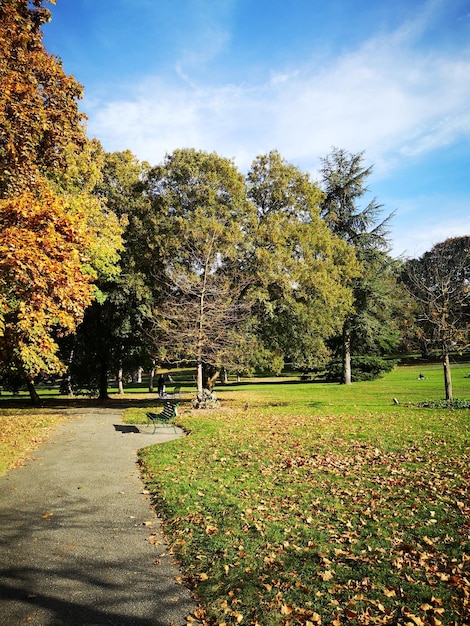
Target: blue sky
[390, 78]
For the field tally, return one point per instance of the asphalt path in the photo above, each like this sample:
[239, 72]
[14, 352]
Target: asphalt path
[79, 541]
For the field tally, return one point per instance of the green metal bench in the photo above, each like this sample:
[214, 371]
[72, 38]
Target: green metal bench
[165, 417]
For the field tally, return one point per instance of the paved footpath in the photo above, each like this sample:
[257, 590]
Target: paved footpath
[79, 542]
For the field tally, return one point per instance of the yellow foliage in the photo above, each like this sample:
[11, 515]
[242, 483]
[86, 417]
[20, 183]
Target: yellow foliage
[43, 287]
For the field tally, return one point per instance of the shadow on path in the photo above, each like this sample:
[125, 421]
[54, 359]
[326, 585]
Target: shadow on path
[79, 541]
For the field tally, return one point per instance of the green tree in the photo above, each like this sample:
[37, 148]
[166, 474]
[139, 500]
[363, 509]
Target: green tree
[111, 336]
[370, 324]
[302, 270]
[439, 284]
[199, 237]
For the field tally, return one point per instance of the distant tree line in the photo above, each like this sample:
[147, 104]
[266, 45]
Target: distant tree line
[109, 265]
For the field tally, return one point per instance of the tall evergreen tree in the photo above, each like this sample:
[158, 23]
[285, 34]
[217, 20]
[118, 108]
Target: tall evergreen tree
[111, 337]
[369, 326]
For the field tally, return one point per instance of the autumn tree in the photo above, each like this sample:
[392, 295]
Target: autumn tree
[43, 286]
[302, 269]
[39, 115]
[439, 283]
[201, 220]
[51, 232]
[370, 323]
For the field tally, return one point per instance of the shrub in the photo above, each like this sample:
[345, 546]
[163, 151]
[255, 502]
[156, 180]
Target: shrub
[444, 404]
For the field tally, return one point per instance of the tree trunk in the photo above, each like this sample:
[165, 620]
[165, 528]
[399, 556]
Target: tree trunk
[224, 376]
[346, 354]
[199, 377]
[447, 376]
[33, 394]
[66, 384]
[103, 391]
[151, 379]
[119, 381]
[209, 376]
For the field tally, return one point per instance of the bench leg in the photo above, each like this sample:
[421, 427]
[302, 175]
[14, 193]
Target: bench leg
[157, 424]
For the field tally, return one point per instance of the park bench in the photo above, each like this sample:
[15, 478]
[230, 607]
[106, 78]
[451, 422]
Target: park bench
[165, 417]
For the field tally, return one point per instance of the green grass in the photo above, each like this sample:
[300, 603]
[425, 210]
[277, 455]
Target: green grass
[309, 503]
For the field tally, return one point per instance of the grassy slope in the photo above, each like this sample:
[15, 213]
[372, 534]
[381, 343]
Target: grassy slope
[313, 503]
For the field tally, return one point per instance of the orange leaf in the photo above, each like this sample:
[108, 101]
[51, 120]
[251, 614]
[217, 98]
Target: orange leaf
[350, 614]
[286, 610]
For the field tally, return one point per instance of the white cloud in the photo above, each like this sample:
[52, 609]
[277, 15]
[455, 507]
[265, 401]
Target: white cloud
[428, 220]
[386, 98]
[383, 98]
[414, 242]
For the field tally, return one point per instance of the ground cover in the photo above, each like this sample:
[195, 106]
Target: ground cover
[307, 503]
[22, 430]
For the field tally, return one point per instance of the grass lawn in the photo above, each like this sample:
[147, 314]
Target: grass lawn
[309, 503]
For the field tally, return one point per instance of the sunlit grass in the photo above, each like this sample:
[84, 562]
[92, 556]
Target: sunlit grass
[300, 503]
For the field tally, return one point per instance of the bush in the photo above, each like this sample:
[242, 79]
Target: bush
[362, 368]
[444, 404]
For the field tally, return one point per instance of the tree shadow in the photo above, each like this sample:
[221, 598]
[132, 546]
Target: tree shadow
[51, 574]
[112, 403]
[62, 613]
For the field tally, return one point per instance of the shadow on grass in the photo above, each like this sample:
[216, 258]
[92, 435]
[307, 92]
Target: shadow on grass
[133, 397]
[64, 404]
[282, 381]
